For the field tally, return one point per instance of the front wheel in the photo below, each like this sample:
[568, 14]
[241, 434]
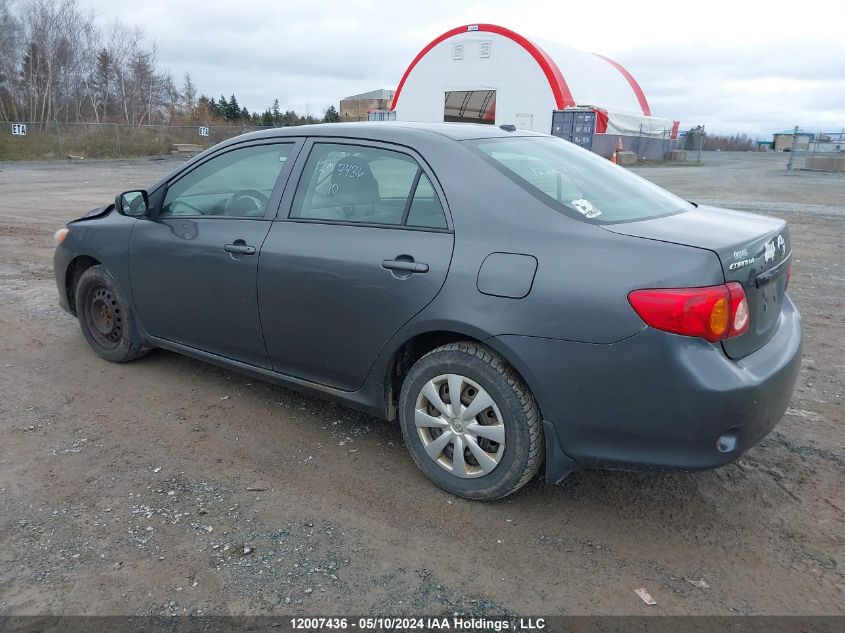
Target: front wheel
[104, 316]
[470, 422]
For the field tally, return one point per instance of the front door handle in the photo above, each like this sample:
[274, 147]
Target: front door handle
[404, 265]
[239, 248]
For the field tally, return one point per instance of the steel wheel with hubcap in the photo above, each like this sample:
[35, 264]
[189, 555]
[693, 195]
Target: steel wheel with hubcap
[470, 422]
[460, 425]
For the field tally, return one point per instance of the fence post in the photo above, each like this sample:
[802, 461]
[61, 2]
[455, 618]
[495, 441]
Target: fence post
[792, 149]
[700, 144]
[117, 135]
[59, 137]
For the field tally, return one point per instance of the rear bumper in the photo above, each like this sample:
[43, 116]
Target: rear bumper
[657, 400]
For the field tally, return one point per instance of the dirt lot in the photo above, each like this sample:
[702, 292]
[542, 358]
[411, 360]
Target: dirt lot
[167, 486]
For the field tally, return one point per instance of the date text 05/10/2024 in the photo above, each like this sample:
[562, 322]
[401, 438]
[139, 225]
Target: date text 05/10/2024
[456, 623]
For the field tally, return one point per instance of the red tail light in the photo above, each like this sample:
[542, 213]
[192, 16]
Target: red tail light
[714, 313]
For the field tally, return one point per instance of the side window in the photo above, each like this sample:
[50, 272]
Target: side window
[426, 210]
[235, 184]
[354, 184]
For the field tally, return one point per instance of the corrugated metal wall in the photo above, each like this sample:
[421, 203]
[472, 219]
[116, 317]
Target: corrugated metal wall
[644, 147]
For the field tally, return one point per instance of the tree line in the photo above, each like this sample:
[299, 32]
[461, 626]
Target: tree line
[56, 65]
[731, 143]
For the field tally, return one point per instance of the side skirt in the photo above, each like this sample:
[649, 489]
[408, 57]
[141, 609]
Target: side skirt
[370, 398]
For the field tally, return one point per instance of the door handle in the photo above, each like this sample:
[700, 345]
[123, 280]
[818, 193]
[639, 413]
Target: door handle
[404, 266]
[239, 249]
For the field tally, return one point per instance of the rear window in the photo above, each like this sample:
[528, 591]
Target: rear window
[577, 182]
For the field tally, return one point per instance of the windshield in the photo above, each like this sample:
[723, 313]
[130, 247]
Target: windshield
[576, 181]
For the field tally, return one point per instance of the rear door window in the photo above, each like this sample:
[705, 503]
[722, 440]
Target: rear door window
[426, 210]
[368, 185]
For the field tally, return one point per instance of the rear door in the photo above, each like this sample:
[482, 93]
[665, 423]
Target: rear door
[359, 248]
[193, 267]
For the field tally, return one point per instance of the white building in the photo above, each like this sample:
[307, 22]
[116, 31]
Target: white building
[485, 73]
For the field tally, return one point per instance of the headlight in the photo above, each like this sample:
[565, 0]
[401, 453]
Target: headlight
[60, 235]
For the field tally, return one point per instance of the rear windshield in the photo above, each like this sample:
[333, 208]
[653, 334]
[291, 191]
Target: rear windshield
[576, 181]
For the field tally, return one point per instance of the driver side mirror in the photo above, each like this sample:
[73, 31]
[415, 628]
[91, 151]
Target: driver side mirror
[132, 203]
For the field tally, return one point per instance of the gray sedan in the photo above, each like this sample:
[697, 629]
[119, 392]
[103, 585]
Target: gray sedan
[514, 301]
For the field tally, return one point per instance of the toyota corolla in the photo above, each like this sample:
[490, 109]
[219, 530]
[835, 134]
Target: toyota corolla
[513, 301]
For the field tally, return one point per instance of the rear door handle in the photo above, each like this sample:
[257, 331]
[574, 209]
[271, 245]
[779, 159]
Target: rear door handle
[239, 249]
[404, 266]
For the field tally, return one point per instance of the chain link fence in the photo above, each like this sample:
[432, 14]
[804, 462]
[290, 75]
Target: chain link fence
[653, 149]
[21, 140]
[823, 151]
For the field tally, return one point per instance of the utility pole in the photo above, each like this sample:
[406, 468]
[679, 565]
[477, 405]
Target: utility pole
[792, 149]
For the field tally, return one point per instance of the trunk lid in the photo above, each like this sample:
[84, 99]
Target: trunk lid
[754, 250]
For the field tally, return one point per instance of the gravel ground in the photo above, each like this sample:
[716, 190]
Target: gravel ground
[168, 486]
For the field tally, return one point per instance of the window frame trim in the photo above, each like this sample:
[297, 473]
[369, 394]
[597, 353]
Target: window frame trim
[298, 171]
[297, 142]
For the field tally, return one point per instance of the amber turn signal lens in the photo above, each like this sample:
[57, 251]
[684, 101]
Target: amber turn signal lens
[60, 235]
[719, 318]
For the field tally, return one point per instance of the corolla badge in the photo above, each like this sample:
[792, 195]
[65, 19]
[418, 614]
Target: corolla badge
[742, 259]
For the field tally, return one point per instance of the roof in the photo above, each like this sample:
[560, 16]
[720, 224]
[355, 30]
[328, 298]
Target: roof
[791, 132]
[388, 131]
[373, 94]
[575, 77]
[409, 134]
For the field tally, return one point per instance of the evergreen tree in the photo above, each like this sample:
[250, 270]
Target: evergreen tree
[233, 110]
[331, 115]
[276, 113]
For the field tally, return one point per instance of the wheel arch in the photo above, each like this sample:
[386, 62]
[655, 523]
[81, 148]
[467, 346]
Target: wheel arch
[417, 345]
[73, 272]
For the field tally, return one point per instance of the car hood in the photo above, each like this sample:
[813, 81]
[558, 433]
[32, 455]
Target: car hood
[96, 212]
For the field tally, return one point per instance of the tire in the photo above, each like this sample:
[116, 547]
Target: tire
[508, 430]
[104, 316]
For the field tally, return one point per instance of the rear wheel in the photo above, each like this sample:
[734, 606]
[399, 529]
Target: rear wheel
[470, 422]
[104, 316]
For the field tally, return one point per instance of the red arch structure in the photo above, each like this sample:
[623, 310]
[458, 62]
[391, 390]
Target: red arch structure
[560, 91]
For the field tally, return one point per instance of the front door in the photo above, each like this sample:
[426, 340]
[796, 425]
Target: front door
[365, 247]
[193, 267]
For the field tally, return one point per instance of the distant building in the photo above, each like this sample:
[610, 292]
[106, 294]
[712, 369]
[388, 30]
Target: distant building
[830, 142]
[488, 74]
[782, 141]
[356, 107]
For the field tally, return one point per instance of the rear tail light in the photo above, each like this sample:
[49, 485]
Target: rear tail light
[714, 313]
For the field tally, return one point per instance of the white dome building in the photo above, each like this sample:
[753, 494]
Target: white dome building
[485, 73]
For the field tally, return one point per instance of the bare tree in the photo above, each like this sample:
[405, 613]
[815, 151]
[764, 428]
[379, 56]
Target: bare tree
[189, 96]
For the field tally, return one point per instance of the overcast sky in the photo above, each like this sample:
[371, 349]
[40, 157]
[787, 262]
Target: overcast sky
[752, 67]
